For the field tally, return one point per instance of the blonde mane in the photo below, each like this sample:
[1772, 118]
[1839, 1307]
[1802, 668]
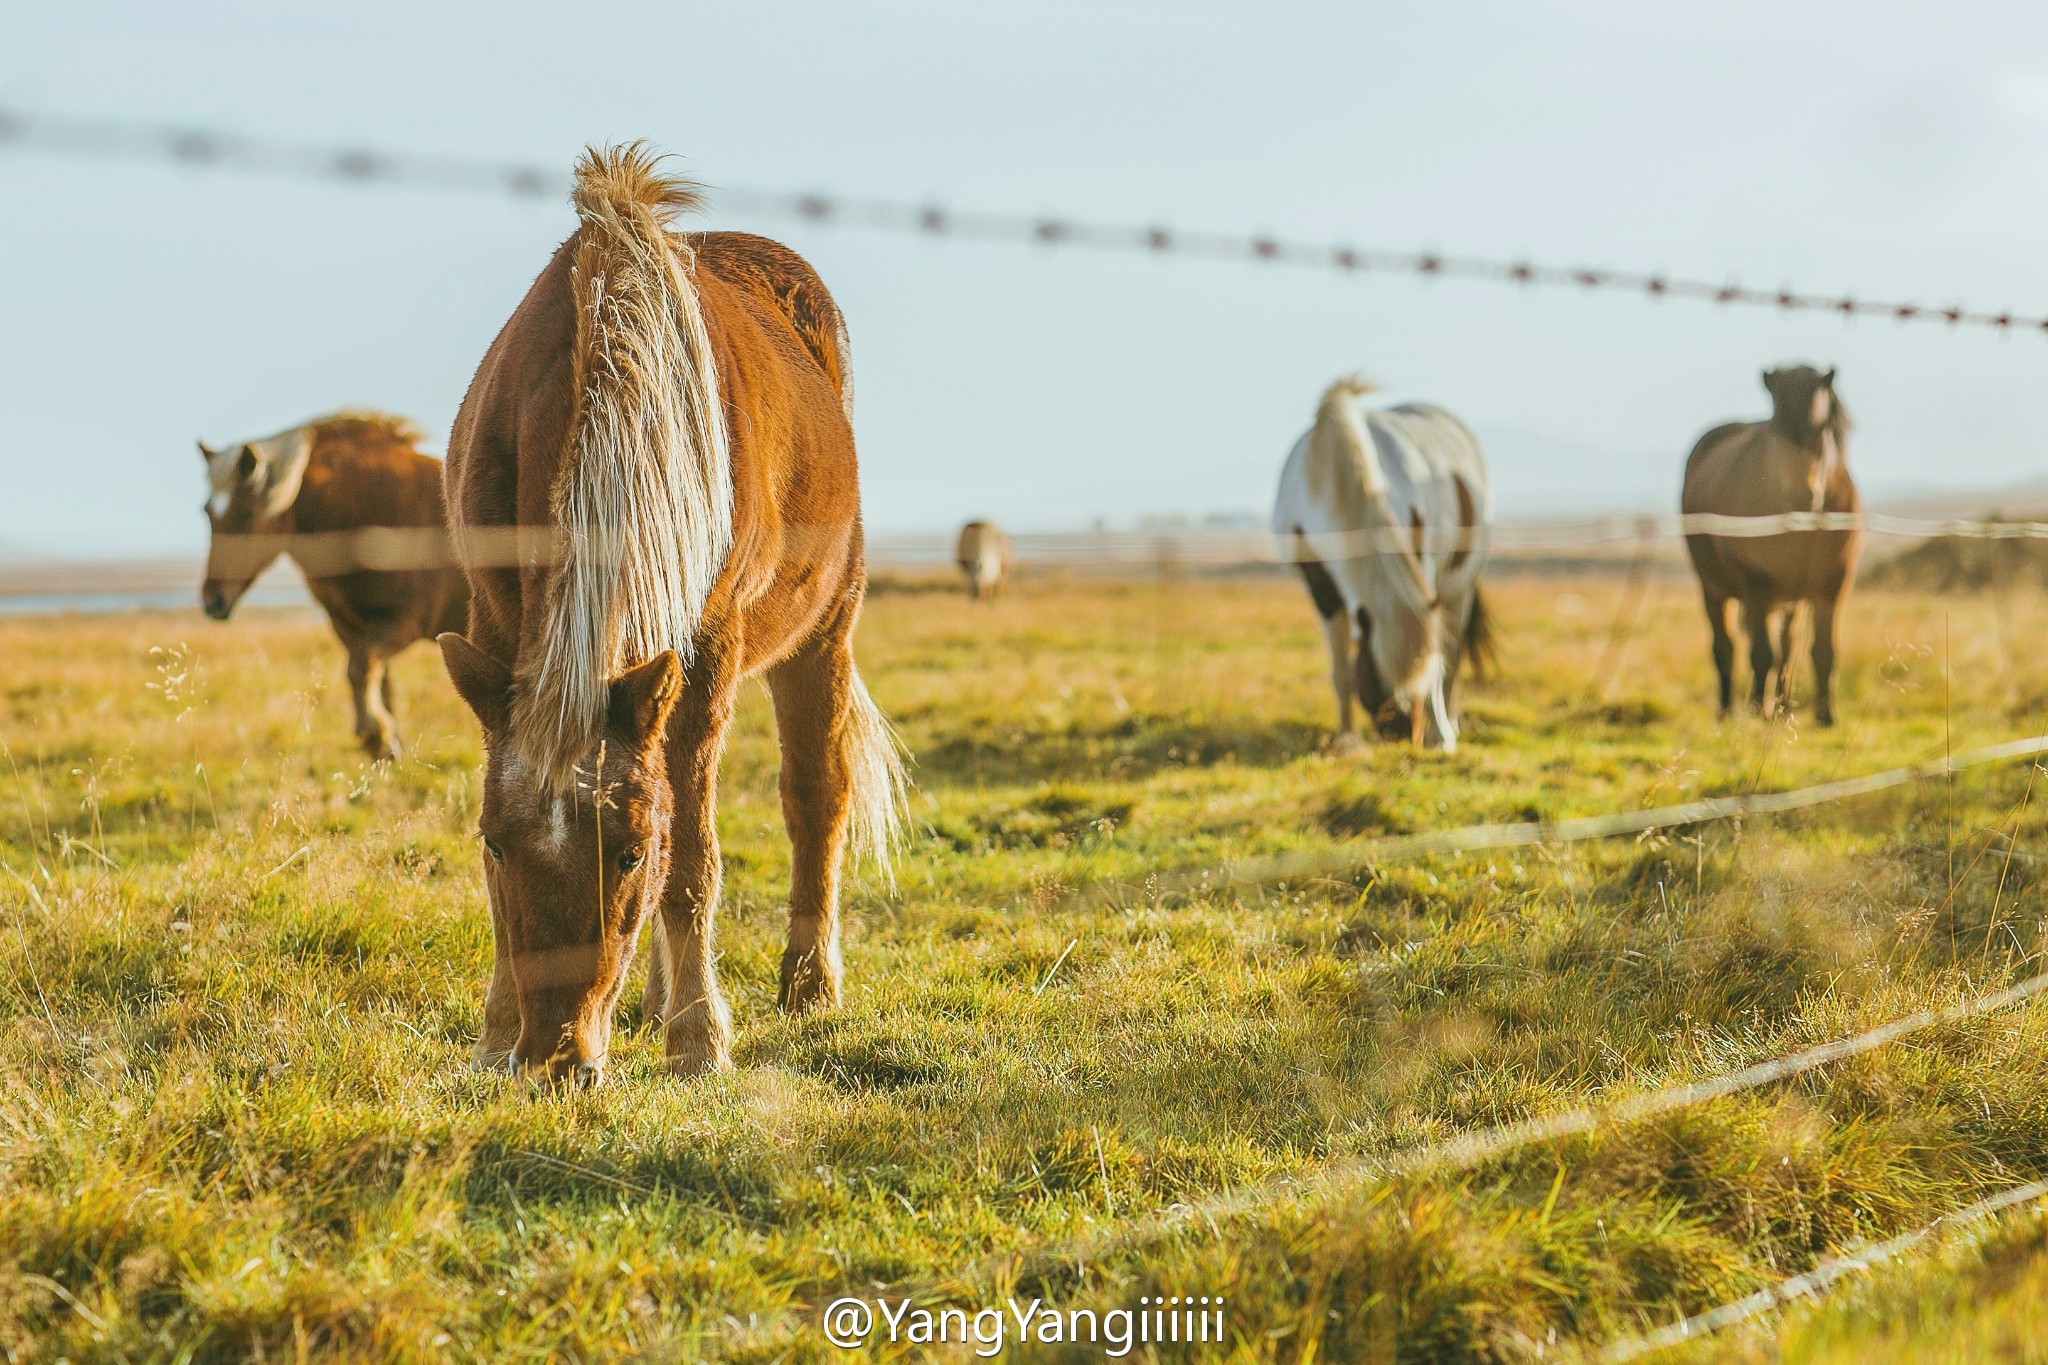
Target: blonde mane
[1344, 471]
[1339, 439]
[643, 496]
[388, 423]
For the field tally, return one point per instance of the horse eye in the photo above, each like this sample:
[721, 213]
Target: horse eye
[630, 859]
[491, 847]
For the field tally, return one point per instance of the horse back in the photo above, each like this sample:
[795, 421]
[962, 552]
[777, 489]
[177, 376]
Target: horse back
[784, 379]
[770, 270]
[367, 471]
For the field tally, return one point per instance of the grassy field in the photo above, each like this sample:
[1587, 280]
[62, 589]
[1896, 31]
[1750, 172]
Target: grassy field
[240, 971]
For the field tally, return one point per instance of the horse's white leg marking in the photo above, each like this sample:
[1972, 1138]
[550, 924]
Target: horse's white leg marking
[1337, 632]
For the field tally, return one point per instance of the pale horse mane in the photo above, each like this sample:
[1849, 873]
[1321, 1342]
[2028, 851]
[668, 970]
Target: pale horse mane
[643, 497]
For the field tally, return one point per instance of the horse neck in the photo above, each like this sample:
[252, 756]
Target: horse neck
[1839, 486]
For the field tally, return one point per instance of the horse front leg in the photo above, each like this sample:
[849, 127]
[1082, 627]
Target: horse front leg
[1724, 651]
[1824, 659]
[1785, 658]
[501, 1008]
[814, 701]
[1337, 635]
[366, 682]
[683, 975]
[1756, 620]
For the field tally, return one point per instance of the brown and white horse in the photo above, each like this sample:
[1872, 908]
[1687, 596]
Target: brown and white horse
[322, 493]
[655, 497]
[983, 554]
[1795, 462]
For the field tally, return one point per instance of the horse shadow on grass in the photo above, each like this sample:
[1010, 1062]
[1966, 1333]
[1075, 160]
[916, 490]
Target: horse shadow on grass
[510, 1177]
[1132, 748]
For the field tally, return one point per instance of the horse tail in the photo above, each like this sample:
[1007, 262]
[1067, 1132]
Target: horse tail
[875, 779]
[643, 497]
[1340, 431]
[1482, 644]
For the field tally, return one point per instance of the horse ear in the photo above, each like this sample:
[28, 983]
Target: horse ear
[643, 696]
[1827, 381]
[206, 452]
[479, 679]
[284, 469]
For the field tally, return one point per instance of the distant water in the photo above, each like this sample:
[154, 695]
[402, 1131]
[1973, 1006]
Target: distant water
[288, 594]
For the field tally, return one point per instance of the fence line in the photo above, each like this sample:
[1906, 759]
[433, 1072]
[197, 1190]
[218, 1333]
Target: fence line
[67, 135]
[1207, 546]
[1470, 1149]
[1820, 1278]
[414, 548]
[1359, 853]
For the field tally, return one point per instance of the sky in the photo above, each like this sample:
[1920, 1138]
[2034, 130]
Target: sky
[1889, 150]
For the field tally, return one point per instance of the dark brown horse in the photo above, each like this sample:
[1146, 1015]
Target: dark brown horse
[1795, 462]
[322, 493]
[655, 497]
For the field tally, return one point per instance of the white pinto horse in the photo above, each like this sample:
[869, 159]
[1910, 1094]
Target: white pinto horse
[983, 553]
[1385, 513]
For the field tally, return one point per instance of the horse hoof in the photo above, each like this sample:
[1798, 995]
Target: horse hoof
[1347, 743]
[806, 985]
[699, 1061]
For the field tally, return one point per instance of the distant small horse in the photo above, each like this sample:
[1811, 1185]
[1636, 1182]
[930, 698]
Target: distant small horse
[661, 437]
[1795, 462]
[983, 554]
[306, 492]
[1385, 512]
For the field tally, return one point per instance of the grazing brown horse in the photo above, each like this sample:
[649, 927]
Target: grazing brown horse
[1795, 462]
[655, 497]
[311, 493]
[983, 553]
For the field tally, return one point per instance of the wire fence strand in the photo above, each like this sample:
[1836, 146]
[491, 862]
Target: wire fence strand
[1819, 1279]
[1361, 853]
[366, 166]
[1471, 1149]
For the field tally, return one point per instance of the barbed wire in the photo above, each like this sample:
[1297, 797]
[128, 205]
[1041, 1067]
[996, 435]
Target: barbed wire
[1336, 1179]
[1821, 1277]
[1362, 853]
[204, 148]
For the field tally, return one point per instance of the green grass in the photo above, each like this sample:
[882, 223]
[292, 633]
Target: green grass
[240, 971]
